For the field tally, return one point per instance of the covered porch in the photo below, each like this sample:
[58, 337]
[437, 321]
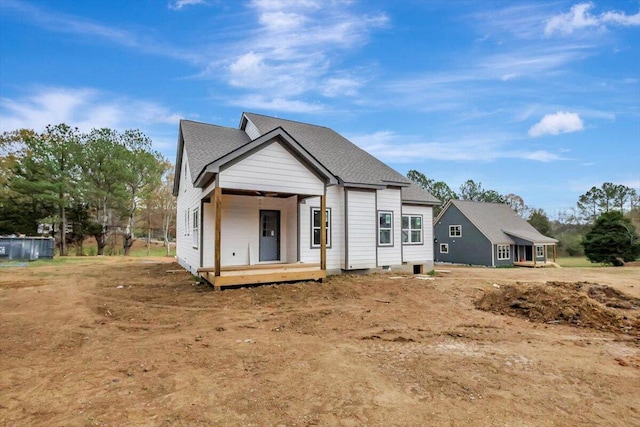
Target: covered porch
[532, 249]
[253, 237]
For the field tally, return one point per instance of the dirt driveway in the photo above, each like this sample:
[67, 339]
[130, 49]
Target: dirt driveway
[135, 342]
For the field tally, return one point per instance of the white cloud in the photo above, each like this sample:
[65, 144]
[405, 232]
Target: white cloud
[179, 4]
[72, 24]
[579, 17]
[281, 21]
[395, 148]
[554, 124]
[293, 47]
[272, 104]
[84, 108]
[340, 86]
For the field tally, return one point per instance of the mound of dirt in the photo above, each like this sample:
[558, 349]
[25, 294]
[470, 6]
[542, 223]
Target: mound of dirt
[582, 304]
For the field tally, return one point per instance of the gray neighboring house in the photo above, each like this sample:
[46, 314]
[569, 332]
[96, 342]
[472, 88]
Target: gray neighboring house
[489, 234]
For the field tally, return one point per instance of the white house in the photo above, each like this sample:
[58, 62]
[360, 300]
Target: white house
[277, 200]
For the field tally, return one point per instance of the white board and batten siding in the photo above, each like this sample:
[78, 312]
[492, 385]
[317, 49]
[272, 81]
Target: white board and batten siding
[335, 253]
[189, 199]
[420, 253]
[240, 232]
[390, 200]
[361, 242]
[273, 168]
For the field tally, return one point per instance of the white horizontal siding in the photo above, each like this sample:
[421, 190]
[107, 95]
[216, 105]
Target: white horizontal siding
[420, 253]
[390, 200]
[335, 254]
[188, 200]
[361, 229]
[251, 130]
[272, 168]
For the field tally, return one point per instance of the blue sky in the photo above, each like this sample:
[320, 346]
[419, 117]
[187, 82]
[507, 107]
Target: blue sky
[541, 99]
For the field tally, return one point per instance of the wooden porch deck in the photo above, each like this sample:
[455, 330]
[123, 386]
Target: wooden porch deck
[262, 273]
[538, 264]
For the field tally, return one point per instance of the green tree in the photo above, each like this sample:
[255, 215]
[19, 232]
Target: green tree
[46, 170]
[140, 178]
[103, 168]
[589, 204]
[516, 203]
[540, 221]
[611, 240]
[474, 191]
[160, 206]
[439, 189]
[604, 199]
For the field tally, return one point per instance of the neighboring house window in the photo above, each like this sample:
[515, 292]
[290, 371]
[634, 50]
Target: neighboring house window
[411, 229]
[504, 252]
[196, 227]
[385, 227]
[315, 227]
[539, 251]
[444, 248]
[455, 231]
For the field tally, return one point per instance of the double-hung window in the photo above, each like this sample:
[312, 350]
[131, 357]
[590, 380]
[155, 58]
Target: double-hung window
[196, 227]
[411, 229]
[504, 252]
[539, 251]
[385, 228]
[315, 227]
[455, 231]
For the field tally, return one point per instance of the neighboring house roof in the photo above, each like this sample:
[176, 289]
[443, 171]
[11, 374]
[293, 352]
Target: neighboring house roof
[207, 144]
[498, 222]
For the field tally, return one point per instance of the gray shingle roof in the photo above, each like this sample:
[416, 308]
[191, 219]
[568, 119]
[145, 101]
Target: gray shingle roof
[343, 158]
[206, 143]
[415, 193]
[497, 221]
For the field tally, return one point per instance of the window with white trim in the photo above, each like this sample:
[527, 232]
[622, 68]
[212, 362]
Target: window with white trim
[196, 227]
[385, 228]
[315, 227]
[504, 252]
[539, 251]
[411, 229]
[455, 231]
[444, 248]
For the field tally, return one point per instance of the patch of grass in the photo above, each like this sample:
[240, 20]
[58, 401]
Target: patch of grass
[575, 262]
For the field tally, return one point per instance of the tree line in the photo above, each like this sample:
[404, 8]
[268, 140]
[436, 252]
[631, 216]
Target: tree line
[608, 207]
[85, 184]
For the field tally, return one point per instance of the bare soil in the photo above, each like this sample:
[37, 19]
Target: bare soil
[121, 341]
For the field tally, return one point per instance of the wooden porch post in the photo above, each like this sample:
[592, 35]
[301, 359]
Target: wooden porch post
[535, 254]
[554, 253]
[323, 232]
[217, 205]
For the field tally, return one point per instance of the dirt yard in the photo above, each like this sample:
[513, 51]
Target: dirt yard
[116, 341]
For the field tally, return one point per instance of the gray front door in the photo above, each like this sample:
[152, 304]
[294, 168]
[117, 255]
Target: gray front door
[269, 235]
